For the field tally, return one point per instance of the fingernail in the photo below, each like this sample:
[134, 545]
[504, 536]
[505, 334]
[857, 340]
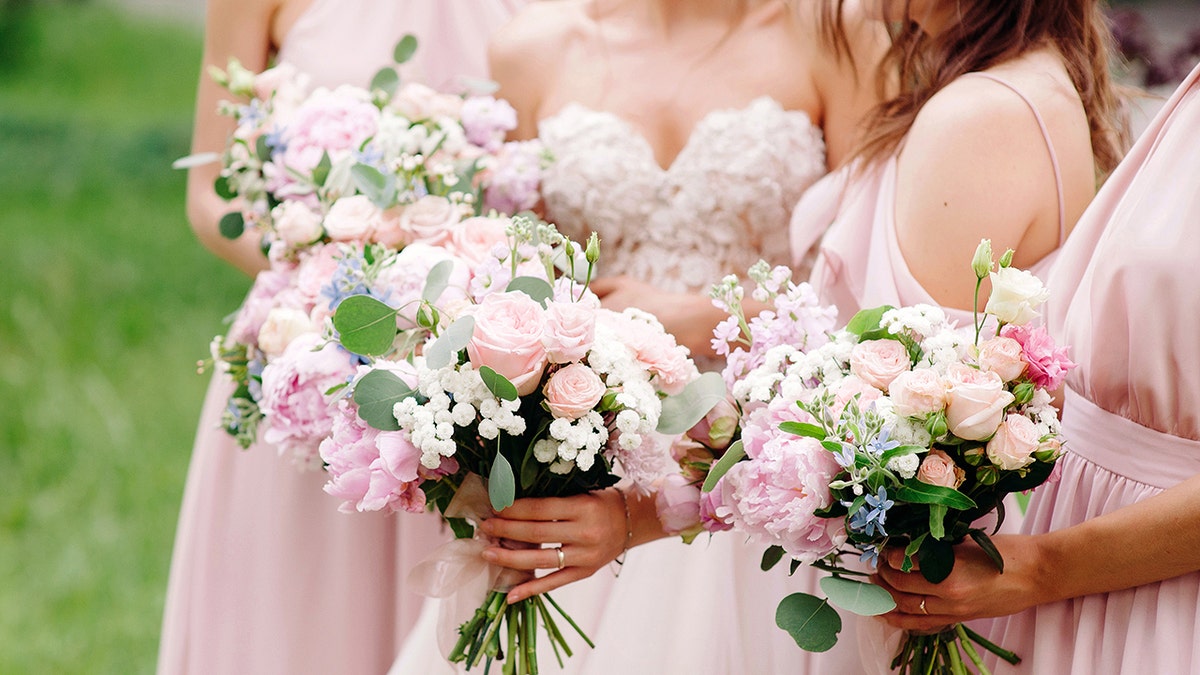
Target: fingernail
[490, 555]
[512, 598]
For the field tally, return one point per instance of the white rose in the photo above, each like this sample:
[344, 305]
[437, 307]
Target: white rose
[1016, 295]
[283, 325]
[352, 218]
[296, 223]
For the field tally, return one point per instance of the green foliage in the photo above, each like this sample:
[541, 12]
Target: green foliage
[498, 384]
[538, 289]
[802, 429]
[442, 351]
[502, 484]
[683, 410]
[733, 454]
[232, 225]
[365, 325]
[811, 622]
[771, 557]
[377, 394]
[864, 599]
[437, 281]
[405, 49]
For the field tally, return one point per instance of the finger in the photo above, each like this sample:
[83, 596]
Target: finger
[524, 559]
[603, 287]
[548, 583]
[907, 582]
[894, 557]
[545, 508]
[919, 622]
[531, 531]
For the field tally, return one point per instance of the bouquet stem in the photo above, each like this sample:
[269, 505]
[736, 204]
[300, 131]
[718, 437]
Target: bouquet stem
[479, 637]
[942, 653]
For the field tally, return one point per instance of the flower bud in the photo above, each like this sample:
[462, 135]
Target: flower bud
[987, 475]
[1023, 393]
[1006, 259]
[592, 253]
[982, 262]
[936, 425]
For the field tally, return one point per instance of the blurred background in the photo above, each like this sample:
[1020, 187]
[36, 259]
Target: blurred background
[108, 302]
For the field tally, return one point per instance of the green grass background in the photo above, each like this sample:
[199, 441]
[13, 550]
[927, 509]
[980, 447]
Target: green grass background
[106, 302]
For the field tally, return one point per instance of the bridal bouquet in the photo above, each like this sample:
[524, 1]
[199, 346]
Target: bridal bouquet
[524, 387]
[899, 430]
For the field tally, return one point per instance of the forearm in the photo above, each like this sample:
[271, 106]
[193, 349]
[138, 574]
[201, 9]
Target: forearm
[205, 210]
[643, 518]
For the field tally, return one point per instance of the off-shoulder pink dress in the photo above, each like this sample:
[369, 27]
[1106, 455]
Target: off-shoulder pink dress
[1127, 301]
[267, 576]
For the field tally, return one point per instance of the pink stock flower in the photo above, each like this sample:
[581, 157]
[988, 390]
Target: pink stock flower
[512, 182]
[1048, 363]
[508, 339]
[486, 120]
[297, 412]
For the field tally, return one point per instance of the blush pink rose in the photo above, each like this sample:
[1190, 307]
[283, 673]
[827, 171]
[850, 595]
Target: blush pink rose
[474, 239]
[572, 392]
[429, 219]
[1002, 355]
[853, 388]
[570, 331]
[353, 218]
[677, 501]
[1014, 443]
[283, 325]
[296, 224]
[508, 339]
[878, 362]
[939, 469]
[976, 401]
[258, 304]
[918, 392]
[418, 102]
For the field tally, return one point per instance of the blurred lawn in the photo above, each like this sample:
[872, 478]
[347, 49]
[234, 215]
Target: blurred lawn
[107, 302]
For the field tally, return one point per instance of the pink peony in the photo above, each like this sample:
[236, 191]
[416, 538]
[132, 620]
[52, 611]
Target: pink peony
[975, 402]
[573, 391]
[348, 452]
[761, 424]
[508, 339]
[1002, 355]
[918, 392]
[474, 239]
[878, 362]
[297, 412]
[677, 501]
[570, 331]
[257, 305]
[1048, 363]
[717, 428]
[938, 468]
[337, 122]
[1014, 443]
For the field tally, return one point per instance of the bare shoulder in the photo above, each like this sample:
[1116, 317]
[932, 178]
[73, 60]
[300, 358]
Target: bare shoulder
[539, 28]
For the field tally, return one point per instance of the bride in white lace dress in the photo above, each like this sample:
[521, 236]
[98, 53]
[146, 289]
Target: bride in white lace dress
[683, 132]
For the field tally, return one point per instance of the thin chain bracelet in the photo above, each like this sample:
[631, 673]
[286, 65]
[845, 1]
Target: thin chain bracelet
[620, 560]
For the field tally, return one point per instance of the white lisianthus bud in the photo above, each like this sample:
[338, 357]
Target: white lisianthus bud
[1006, 259]
[982, 262]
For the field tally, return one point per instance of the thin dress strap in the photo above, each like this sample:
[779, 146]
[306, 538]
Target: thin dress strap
[1058, 184]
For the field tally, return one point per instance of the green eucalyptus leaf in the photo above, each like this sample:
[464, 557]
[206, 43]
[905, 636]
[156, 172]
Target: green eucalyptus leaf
[405, 48]
[771, 557]
[803, 429]
[683, 410]
[538, 289]
[373, 184]
[386, 80]
[811, 622]
[917, 492]
[437, 281]
[502, 485]
[733, 454]
[863, 599]
[985, 543]
[232, 225]
[377, 394]
[261, 149]
[444, 350]
[867, 320]
[498, 384]
[321, 171]
[223, 189]
[365, 325]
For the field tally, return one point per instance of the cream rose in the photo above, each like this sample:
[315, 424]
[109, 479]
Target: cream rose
[296, 223]
[1002, 355]
[352, 218]
[878, 362]
[939, 469]
[429, 219]
[918, 392]
[1016, 295]
[975, 402]
[572, 391]
[283, 325]
[508, 339]
[570, 331]
[1014, 443]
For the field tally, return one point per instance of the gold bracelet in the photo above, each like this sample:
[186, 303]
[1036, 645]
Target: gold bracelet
[628, 526]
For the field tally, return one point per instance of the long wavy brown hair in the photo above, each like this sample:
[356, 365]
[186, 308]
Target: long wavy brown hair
[986, 33]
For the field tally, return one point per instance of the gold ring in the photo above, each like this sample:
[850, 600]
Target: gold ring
[562, 558]
[923, 610]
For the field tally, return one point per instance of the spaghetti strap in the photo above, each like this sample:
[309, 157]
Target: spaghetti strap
[1058, 184]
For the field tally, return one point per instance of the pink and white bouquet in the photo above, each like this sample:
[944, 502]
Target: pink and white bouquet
[525, 388]
[379, 164]
[900, 430]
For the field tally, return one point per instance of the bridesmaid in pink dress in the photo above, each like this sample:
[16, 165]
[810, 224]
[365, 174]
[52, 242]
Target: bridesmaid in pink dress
[267, 576]
[1107, 577]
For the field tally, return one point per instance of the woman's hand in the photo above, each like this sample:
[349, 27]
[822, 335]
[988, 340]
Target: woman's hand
[975, 589]
[589, 529]
[689, 317]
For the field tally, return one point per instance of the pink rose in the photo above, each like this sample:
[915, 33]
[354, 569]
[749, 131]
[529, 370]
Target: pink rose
[654, 348]
[570, 331]
[283, 325]
[418, 102]
[298, 415]
[1048, 363]
[573, 391]
[717, 428]
[918, 392]
[1014, 443]
[975, 402]
[429, 219]
[853, 388]
[257, 305]
[878, 362]
[353, 218]
[677, 501]
[1002, 355]
[296, 224]
[315, 268]
[508, 339]
[474, 238]
[939, 469]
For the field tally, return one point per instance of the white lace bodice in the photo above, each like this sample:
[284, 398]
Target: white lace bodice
[723, 204]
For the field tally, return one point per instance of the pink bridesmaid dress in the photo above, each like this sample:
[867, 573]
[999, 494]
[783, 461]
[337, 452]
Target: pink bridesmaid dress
[267, 576]
[860, 265]
[1126, 300]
